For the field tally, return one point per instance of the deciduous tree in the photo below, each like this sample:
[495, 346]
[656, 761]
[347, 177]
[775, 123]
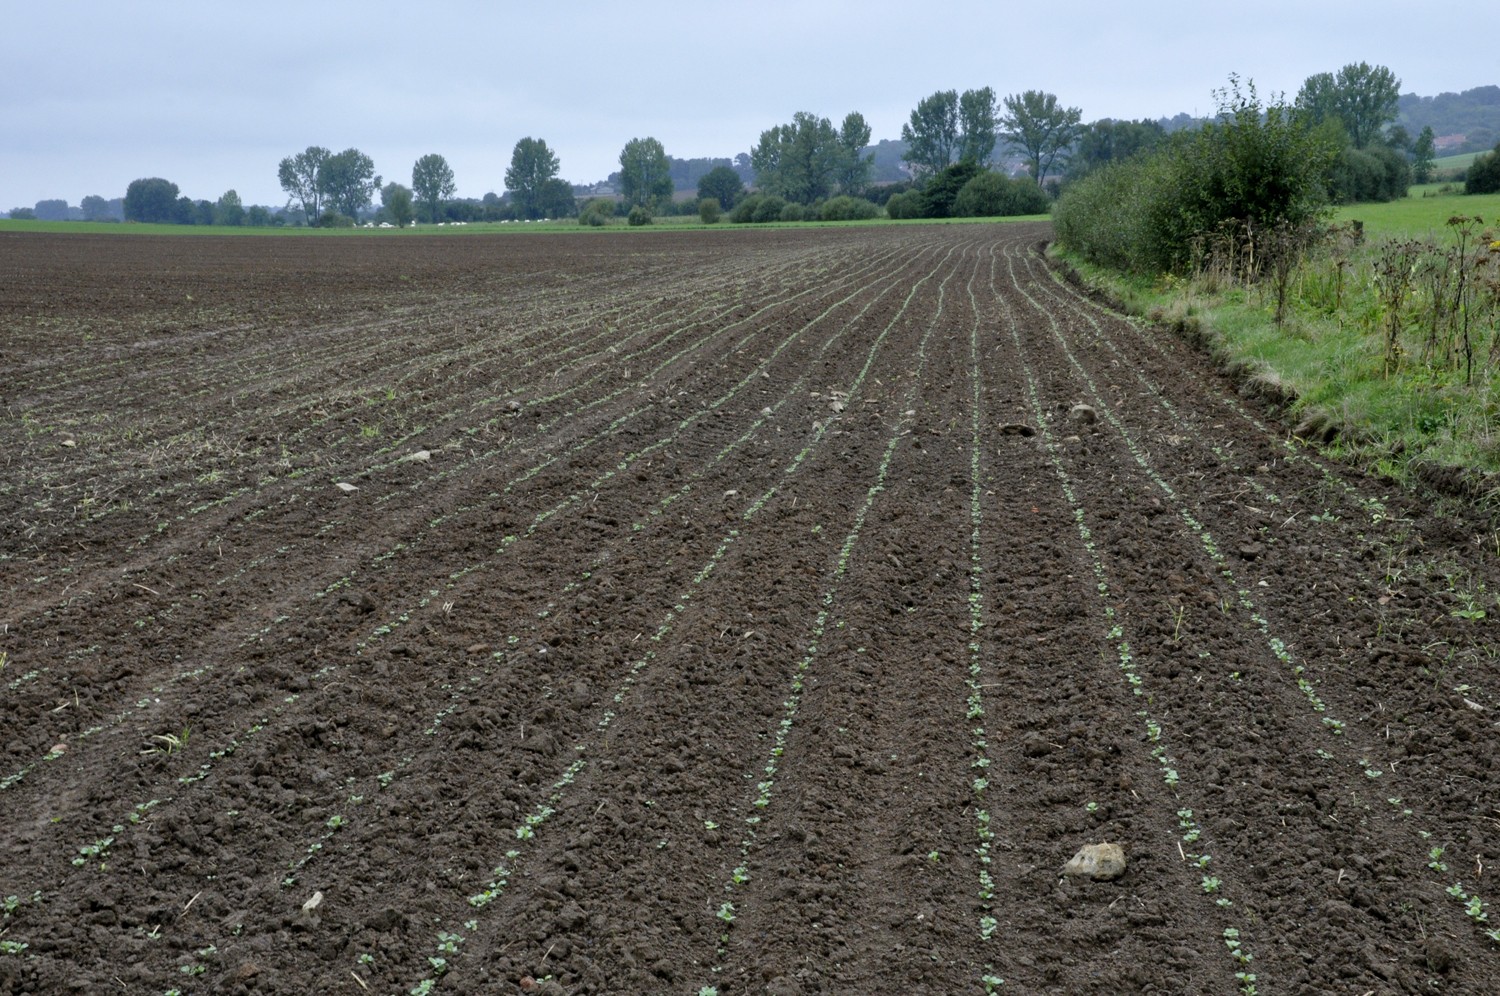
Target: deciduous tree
[150, 200]
[932, 133]
[853, 173]
[1361, 97]
[299, 178]
[977, 126]
[532, 164]
[798, 161]
[1423, 151]
[397, 201]
[1041, 129]
[348, 180]
[229, 210]
[724, 185]
[431, 183]
[645, 175]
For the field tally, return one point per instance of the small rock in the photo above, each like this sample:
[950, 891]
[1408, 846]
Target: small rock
[1100, 862]
[70, 442]
[1083, 414]
[312, 903]
[1252, 550]
[836, 406]
[345, 486]
[421, 456]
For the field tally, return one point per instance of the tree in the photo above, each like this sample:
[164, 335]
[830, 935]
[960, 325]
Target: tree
[1107, 141]
[1361, 97]
[993, 195]
[645, 177]
[299, 178]
[1483, 176]
[932, 133]
[229, 210]
[977, 126]
[798, 161]
[853, 173]
[1040, 128]
[349, 182]
[532, 164]
[555, 199]
[51, 210]
[396, 200]
[96, 208]
[1422, 152]
[431, 183]
[724, 185]
[150, 200]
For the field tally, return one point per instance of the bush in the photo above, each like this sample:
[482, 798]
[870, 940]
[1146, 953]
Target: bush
[596, 212]
[793, 212]
[849, 209]
[758, 209]
[991, 195]
[639, 215]
[23, 214]
[708, 211]
[1483, 176]
[942, 190]
[332, 219]
[1375, 174]
[904, 205]
[1252, 170]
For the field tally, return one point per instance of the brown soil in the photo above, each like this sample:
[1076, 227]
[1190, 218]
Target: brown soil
[772, 611]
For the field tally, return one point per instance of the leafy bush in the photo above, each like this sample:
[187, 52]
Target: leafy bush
[849, 209]
[942, 190]
[1375, 174]
[23, 214]
[991, 195]
[639, 215]
[758, 209]
[1483, 176]
[708, 211]
[1252, 170]
[793, 212]
[596, 212]
[904, 205]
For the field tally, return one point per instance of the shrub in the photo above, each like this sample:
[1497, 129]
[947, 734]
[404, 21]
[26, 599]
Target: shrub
[942, 190]
[639, 215]
[1368, 175]
[907, 205]
[1250, 171]
[1483, 176]
[758, 209]
[849, 209]
[708, 211]
[596, 212]
[23, 214]
[991, 195]
[793, 212]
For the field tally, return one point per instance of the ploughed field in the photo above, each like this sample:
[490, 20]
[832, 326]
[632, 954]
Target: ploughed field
[734, 611]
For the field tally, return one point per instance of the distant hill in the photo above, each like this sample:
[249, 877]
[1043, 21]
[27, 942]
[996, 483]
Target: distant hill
[1462, 122]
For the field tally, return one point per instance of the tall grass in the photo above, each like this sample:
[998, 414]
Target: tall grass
[1389, 348]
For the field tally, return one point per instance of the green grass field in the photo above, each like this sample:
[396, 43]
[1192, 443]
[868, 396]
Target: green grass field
[1424, 211]
[1330, 351]
[673, 222]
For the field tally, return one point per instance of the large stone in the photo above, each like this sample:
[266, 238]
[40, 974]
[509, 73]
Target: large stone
[1100, 862]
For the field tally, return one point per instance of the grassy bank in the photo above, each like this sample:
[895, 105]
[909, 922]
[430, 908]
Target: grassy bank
[1388, 353]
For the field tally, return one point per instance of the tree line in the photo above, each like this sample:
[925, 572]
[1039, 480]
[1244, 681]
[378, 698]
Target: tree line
[949, 139]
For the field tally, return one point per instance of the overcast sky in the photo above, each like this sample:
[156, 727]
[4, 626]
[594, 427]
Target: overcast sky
[211, 94]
